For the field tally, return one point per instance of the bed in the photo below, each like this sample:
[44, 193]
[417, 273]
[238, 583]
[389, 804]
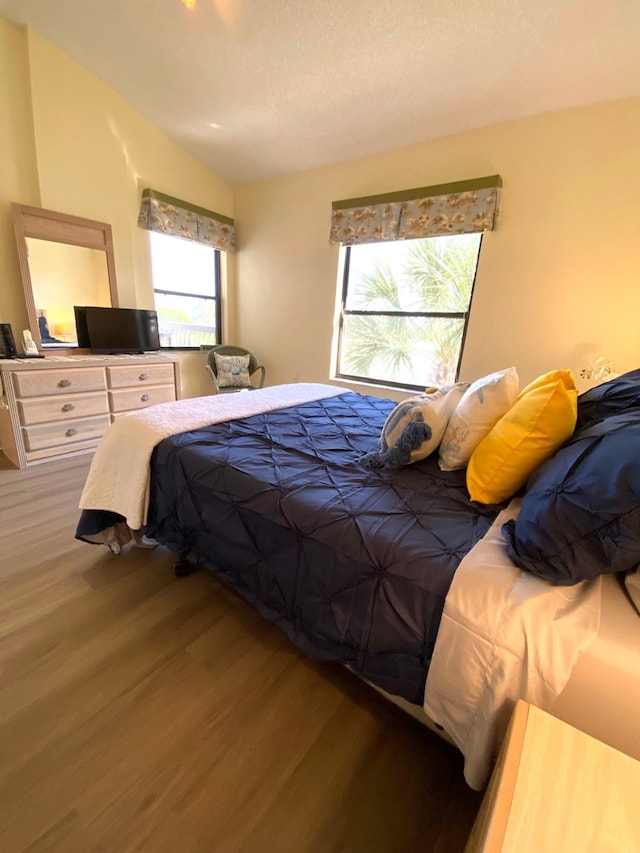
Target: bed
[395, 573]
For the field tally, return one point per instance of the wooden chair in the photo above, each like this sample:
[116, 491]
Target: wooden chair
[254, 367]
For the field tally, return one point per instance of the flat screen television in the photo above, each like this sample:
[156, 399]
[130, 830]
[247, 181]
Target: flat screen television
[82, 333]
[121, 330]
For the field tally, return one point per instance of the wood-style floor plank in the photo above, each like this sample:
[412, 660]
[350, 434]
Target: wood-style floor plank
[139, 712]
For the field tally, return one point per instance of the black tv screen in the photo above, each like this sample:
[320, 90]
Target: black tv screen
[82, 333]
[122, 330]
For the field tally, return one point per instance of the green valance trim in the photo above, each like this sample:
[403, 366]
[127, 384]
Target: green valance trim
[186, 205]
[165, 214]
[457, 207]
[421, 192]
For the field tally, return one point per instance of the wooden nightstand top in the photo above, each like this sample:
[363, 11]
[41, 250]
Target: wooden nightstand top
[558, 790]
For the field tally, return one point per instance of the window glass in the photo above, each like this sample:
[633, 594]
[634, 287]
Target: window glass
[405, 308]
[186, 282]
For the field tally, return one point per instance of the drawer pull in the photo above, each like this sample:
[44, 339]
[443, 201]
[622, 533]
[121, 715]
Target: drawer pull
[143, 376]
[144, 398]
[71, 431]
[64, 383]
[68, 407]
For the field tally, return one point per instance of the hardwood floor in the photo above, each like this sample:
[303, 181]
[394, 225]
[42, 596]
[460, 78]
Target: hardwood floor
[139, 712]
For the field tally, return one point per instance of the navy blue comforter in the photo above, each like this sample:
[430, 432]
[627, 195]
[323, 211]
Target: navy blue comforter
[353, 564]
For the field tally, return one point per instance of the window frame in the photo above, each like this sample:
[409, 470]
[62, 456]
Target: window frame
[346, 312]
[217, 297]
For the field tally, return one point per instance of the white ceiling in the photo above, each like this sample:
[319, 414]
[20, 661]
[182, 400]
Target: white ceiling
[259, 88]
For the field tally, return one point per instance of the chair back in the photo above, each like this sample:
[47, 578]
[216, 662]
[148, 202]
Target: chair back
[228, 349]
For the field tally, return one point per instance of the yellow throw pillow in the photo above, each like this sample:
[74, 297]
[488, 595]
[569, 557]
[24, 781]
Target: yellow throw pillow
[542, 418]
[564, 376]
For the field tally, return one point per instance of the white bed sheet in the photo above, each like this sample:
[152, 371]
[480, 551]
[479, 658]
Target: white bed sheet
[504, 635]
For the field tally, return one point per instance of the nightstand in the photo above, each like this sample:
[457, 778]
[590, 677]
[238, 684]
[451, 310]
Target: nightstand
[558, 790]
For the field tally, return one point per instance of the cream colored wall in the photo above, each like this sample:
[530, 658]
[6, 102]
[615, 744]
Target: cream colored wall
[558, 281]
[18, 167]
[90, 155]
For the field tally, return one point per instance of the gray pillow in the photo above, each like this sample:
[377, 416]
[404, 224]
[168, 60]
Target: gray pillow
[233, 370]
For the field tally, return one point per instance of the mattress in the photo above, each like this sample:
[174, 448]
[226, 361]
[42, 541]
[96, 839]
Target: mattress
[353, 564]
[331, 620]
[602, 697]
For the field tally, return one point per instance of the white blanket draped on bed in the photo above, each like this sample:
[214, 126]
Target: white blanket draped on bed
[504, 634]
[118, 480]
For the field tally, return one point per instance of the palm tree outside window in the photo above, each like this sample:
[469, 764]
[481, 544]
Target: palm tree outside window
[405, 309]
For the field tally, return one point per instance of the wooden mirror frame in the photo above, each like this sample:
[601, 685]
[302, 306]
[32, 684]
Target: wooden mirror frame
[59, 228]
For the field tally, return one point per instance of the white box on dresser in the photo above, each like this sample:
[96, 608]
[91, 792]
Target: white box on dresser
[62, 405]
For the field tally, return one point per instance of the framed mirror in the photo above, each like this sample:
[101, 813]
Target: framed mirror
[64, 261]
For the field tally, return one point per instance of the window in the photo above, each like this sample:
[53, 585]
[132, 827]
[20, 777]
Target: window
[186, 285]
[405, 308]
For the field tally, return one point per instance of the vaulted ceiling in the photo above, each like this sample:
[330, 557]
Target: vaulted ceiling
[259, 88]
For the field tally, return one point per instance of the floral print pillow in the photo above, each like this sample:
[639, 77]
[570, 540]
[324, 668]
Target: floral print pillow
[233, 370]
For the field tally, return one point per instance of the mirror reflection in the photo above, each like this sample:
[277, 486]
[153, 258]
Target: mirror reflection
[65, 260]
[62, 276]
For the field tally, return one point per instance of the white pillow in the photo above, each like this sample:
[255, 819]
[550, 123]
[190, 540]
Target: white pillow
[414, 429]
[483, 404]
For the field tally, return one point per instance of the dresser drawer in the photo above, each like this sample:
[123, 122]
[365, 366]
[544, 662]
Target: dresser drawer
[64, 380]
[126, 376]
[62, 408]
[139, 398]
[65, 432]
[62, 405]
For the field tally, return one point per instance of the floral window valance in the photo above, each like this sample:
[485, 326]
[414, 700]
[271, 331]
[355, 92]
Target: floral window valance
[159, 212]
[462, 207]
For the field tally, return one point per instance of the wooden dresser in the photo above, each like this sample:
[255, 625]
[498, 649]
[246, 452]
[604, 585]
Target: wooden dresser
[62, 405]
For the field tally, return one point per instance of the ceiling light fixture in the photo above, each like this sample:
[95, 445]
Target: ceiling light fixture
[190, 4]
